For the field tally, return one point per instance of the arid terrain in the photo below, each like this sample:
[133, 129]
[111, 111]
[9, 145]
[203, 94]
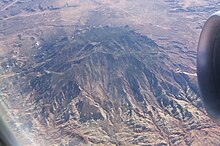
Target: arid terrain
[103, 72]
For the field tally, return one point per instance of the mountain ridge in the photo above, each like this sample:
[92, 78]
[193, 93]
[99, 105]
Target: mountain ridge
[108, 86]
